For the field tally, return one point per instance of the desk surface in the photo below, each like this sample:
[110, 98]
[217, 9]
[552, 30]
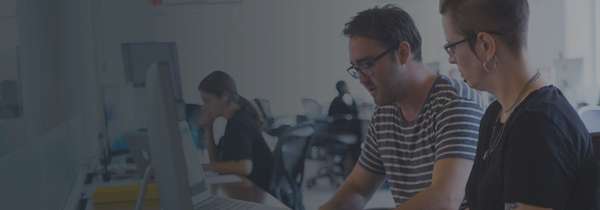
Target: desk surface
[242, 190]
[245, 190]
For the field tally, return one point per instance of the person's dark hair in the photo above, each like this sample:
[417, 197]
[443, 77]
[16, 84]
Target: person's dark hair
[508, 19]
[221, 84]
[339, 86]
[389, 25]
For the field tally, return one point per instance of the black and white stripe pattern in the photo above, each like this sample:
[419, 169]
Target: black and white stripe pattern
[446, 127]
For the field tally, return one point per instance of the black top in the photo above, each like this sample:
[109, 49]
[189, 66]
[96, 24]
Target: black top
[243, 140]
[339, 111]
[544, 157]
[339, 108]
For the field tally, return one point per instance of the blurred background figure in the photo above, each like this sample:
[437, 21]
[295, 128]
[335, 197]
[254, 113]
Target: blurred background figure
[343, 105]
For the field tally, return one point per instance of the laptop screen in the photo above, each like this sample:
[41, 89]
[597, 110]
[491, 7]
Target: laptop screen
[196, 177]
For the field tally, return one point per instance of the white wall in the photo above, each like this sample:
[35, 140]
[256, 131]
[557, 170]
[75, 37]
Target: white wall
[8, 42]
[596, 34]
[116, 22]
[42, 165]
[9, 128]
[580, 43]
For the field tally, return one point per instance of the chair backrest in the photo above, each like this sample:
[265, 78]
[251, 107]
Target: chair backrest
[591, 118]
[312, 109]
[587, 189]
[365, 110]
[288, 171]
[596, 144]
[264, 107]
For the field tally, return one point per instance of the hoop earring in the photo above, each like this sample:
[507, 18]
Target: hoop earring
[487, 68]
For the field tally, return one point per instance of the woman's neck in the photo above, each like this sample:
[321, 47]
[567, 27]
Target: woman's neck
[230, 110]
[513, 84]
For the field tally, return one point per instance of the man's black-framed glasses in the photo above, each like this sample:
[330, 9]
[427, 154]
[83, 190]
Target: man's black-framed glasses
[363, 66]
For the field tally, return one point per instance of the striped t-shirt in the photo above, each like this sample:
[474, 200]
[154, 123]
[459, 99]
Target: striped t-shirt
[446, 127]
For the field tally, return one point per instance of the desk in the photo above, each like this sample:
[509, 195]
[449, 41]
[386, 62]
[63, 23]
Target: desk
[243, 190]
[246, 191]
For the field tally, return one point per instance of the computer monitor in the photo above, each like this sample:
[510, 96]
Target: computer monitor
[166, 149]
[139, 56]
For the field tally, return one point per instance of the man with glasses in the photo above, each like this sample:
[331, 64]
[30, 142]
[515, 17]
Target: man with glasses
[423, 135]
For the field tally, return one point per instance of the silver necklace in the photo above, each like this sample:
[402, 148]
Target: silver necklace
[497, 133]
[523, 90]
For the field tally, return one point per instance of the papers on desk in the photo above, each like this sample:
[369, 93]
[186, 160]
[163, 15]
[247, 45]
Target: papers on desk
[220, 179]
[216, 178]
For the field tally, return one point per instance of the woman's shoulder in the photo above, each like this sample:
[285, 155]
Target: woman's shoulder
[244, 120]
[549, 111]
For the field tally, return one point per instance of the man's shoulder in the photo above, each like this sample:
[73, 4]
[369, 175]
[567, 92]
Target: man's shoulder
[450, 95]
[446, 90]
[385, 113]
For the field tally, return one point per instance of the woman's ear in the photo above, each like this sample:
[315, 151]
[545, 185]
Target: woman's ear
[487, 46]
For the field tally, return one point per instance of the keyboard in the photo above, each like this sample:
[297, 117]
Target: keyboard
[218, 203]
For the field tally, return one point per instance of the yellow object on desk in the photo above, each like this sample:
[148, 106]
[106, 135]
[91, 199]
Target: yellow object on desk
[148, 205]
[124, 196]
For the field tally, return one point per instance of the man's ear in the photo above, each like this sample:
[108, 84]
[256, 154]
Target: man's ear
[404, 53]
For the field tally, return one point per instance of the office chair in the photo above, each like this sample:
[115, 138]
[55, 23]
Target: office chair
[312, 109]
[274, 126]
[590, 115]
[328, 145]
[596, 144]
[288, 170]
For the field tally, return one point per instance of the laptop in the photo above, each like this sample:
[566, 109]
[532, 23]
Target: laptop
[139, 149]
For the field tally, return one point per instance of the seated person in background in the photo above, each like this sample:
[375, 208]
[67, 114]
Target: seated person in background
[423, 134]
[344, 112]
[242, 149]
[343, 104]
